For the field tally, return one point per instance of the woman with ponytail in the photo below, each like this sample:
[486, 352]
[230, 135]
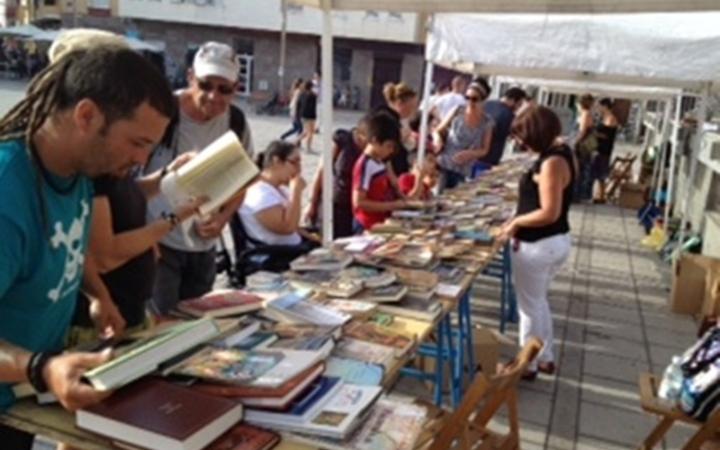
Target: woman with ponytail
[402, 105]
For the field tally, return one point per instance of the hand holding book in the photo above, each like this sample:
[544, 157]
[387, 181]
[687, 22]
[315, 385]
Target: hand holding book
[63, 376]
[217, 172]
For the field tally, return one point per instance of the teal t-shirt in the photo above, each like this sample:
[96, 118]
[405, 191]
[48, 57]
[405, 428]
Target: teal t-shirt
[41, 260]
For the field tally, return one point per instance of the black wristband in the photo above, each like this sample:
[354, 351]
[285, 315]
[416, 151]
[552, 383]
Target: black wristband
[35, 368]
[170, 217]
[164, 171]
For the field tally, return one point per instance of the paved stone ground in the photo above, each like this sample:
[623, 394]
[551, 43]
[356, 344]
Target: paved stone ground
[611, 323]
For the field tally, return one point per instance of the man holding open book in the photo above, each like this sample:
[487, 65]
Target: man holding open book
[93, 112]
[187, 263]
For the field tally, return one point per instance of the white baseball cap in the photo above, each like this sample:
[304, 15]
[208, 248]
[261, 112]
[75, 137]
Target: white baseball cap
[216, 59]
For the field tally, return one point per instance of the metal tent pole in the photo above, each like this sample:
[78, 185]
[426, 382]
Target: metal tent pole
[696, 146]
[673, 157]
[327, 116]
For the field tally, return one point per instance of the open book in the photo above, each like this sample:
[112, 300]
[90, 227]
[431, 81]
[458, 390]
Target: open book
[217, 172]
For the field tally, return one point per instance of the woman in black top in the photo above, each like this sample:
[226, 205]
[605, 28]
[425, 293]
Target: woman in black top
[122, 246]
[605, 134]
[540, 228]
[348, 145]
[307, 110]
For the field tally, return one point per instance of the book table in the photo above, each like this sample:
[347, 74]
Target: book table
[58, 424]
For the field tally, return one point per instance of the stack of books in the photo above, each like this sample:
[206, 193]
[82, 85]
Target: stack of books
[295, 307]
[221, 303]
[321, 260]
[328, 408]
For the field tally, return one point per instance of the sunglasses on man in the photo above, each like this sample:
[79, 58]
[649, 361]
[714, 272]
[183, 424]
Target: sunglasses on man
[222, 89]
[472, 98]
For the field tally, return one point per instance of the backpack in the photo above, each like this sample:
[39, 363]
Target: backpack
[700, 366]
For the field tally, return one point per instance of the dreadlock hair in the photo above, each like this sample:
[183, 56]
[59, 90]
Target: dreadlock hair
[117, 80]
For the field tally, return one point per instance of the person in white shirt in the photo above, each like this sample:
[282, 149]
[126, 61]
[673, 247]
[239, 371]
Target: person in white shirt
[448, 103]
[272, 207]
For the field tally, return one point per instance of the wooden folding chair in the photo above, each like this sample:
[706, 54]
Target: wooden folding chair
[620, 172]
[669, 415]
[467, 427]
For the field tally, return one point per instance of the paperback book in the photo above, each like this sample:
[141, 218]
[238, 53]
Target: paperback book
[296, 308]
[349, 348]
[221, 303]
[390, 293]
[217, 173]
[378, 334]
[321, 259]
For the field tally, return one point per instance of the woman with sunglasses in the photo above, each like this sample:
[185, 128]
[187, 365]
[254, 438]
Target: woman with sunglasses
[271, 210]
[540, 231]
[463, 137]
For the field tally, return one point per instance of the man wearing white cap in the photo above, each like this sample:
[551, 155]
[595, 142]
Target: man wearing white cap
[187, 263]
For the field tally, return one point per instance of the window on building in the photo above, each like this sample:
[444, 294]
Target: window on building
[372, 15]
[99, 4]
[244, 46]
[294, 9]
[245, 49]
[342, 61]
[49, 2]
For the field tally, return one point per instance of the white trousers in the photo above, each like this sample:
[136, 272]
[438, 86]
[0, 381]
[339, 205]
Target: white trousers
[534, 265]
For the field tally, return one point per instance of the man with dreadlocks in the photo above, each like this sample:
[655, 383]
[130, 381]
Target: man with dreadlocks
[187, 263]
[93, 112]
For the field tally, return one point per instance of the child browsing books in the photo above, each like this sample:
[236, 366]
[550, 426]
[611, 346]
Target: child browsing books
[375, 188]
[418, 183]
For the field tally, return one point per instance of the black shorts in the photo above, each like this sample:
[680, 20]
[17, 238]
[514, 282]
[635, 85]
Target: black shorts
[600, 167]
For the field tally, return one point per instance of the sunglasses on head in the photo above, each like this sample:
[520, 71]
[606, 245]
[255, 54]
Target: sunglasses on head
[521, 145]
[222, 89]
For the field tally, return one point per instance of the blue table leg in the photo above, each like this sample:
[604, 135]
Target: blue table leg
[439, 364]
[452, 355]
[469, 336]
[460, 349]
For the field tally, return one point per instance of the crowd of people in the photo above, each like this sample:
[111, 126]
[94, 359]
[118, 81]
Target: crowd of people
[20, 61]
[82, 155]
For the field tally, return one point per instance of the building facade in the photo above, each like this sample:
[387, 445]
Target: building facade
[370, 47]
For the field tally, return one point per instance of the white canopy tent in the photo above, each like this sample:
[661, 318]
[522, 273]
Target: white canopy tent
[515, 6]
[662, 50]
[661, 125]
[488, 43]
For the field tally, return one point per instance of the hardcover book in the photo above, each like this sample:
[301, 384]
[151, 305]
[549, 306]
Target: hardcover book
[145, 355]
[221, 303]
[246, 437]
[159, 415]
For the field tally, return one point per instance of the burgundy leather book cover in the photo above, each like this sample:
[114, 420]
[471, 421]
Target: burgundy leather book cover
[250, 391]
[163, 408]
[245, 437]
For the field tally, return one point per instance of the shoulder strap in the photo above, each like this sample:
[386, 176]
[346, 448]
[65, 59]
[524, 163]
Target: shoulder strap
[237, 121]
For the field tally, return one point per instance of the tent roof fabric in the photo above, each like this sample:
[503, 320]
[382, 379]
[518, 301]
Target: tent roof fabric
[23, 31]
[678, 49]
[601, 89]
[517, 6]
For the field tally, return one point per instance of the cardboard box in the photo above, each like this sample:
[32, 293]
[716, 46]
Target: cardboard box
[687, 295]
[487, 350]
[632, 195]
[711, 302]
[487, 354]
